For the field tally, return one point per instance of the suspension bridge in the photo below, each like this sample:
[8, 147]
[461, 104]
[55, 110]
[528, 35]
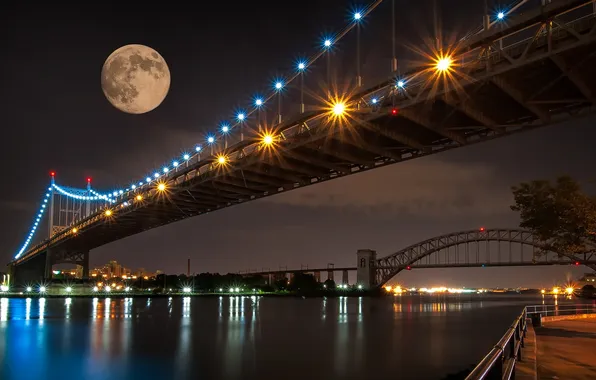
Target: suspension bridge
[526, 66]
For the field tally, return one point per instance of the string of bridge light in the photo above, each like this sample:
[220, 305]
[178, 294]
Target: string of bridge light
[241, 115]
[96, 197]
[40, 212]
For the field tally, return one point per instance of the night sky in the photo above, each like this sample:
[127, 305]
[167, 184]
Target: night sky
[54, 116]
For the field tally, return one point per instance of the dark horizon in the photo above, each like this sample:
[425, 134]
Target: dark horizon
[58, 119]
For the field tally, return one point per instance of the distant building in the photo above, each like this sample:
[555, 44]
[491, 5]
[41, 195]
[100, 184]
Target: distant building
[587, 279]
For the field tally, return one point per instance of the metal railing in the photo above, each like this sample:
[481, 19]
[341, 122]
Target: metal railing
[560, 310]
[500, 361]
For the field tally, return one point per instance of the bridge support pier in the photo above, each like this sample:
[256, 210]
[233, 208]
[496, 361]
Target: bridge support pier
[365, 274]
[30, 272]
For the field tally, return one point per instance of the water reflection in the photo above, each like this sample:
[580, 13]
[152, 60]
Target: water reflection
[249, 337]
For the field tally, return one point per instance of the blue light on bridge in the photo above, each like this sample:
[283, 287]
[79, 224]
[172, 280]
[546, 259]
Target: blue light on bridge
[501, 15]
[279, 85]
[156, 175]
[133, 186]
[225, 128]
[327, 43]
[186, 157]
[148, 179]
[175, 164]
[301, 65]
[198, 148]
[241, 116]
[374, 100]
[401, 83]
[258, 102]
[357, 16]
[210, 139]
[165, 169]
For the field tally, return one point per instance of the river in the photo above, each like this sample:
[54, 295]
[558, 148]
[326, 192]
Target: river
[402, 337]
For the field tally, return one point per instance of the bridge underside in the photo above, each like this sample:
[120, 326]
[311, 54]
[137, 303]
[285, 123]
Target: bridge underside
[542, 81]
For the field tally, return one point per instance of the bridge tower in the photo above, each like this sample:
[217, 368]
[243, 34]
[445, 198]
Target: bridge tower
[365, 274]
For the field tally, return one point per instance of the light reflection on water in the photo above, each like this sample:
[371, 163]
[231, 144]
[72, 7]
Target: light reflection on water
[251, 337]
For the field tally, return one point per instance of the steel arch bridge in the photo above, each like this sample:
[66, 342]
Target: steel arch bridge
[530, 71]
[475, 248]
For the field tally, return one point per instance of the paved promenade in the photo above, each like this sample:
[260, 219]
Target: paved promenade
[566, 350]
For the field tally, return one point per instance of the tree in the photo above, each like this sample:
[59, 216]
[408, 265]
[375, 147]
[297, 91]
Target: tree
[561, 215]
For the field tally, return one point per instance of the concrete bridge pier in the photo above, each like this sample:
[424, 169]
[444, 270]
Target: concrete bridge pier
[317, 275]
[330, 275]
[344, 277]
[365, 273]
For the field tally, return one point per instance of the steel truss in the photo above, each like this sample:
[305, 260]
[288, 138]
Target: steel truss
[476, 248]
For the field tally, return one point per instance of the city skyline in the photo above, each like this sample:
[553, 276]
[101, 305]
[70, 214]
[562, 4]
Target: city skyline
[385, 209]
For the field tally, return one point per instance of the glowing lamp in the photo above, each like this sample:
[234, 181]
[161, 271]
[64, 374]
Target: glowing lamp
[225, 129]
[374, 100]
[42, 289]
[68, 289]
[88, 179]
[198, 148]
[501, 15]
[267, 139]
[241, 116]
[409, 267]
[569, 290]
[259, 102]
[339, 108]
[75, 230]
[139, 197]
[327, 43]
[52, 174]
[401, 83]
[186, 157]
[443, 64]
[481, 229]
[161, 187]
[210, 139]
[301, 66]
[394, 111]
[357, 16]
[278, 85]
[221, 160]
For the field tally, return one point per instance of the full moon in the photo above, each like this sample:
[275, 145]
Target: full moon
[135, 79]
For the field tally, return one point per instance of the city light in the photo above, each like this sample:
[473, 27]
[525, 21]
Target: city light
[231, 290]
[221, 159]
[359, 287]
[95, 289]
[139, 197]
[569, 290]
[75, 230]
[556, 290]
[108, 213]
[186, 290]
[28, 289]
[542, 291]
[237, 290]
[107, 288]
[127, 289]
[4, 288]
[42, 289]
[68, 289]
[267, 139]
[161, 186]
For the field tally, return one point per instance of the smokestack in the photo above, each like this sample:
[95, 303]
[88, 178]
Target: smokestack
[188, 268]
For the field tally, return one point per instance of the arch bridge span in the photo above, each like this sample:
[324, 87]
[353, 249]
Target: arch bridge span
[472, 248]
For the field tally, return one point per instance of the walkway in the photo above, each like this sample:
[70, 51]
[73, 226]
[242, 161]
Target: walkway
[567, 350]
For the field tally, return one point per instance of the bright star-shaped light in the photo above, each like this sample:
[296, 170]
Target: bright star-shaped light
[443, 64]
